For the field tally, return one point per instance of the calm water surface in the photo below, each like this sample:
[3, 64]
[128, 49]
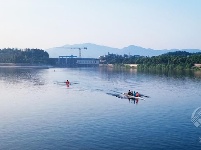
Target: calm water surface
[38, 111]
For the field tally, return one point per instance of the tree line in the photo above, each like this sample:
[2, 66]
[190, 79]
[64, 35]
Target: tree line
[172, 60]
[31, 56]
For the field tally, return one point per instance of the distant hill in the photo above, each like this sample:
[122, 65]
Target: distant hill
[94, 51]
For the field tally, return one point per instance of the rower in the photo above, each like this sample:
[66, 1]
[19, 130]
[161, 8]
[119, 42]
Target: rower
[134, 94]
[67, 82]
[137, 94]
[129, 92]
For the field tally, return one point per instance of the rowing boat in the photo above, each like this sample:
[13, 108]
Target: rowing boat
[132, 97]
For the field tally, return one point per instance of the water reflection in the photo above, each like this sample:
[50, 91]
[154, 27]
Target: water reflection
[13, 75]
[174, 73]
[197, 74]
[133, 100]
[109, 73]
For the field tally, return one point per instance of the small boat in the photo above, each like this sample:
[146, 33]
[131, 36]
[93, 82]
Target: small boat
[132, 97]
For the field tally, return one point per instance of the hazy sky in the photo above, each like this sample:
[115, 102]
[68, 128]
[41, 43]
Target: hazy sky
[157, 24]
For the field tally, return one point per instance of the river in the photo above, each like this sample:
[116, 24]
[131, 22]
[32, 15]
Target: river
[38, 111]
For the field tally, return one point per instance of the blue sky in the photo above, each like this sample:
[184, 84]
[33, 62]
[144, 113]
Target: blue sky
[157, 24]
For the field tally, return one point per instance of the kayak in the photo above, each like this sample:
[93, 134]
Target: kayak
[71, 83]
[131, 97]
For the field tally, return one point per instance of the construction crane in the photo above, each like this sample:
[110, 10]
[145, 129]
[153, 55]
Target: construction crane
[79, 49]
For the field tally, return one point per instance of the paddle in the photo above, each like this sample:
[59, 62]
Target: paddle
[57, 82]
[144, 95]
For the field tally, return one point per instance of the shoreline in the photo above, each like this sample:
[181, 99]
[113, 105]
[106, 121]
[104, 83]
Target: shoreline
[133, 66]
[196, 67]
[24, 65]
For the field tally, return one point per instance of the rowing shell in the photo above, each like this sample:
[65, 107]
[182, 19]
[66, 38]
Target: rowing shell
[132, 97]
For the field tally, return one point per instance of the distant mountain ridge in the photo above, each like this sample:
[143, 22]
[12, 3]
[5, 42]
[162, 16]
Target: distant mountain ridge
[94, 51]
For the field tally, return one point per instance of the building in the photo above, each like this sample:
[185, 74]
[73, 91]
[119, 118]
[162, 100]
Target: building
[71, 61]
[197, 65]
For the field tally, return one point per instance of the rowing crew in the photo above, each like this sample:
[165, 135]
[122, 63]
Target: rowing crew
[67, 82]
[131, 93]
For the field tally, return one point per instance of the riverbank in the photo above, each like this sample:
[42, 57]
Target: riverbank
[24, 65]
[133, 66]
[153, 67]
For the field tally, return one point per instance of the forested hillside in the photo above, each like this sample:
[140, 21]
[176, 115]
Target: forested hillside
[171, 60]
[32, 56]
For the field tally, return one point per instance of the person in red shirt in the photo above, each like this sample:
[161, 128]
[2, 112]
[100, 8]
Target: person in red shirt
[67, 83]
[137, 94]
